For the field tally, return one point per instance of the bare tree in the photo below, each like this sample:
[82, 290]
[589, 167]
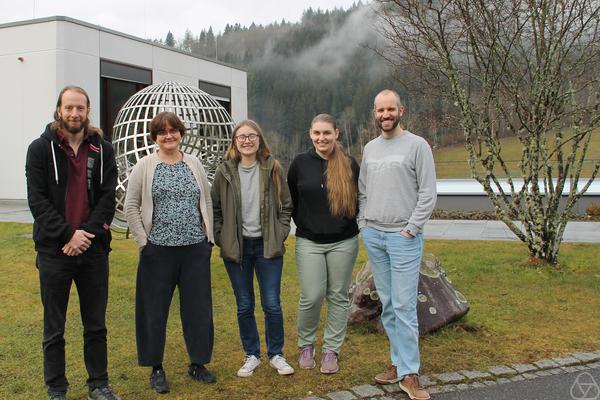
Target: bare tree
[528, 68]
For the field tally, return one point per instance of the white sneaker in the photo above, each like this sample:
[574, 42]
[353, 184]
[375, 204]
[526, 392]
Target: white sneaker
[250, 364]
[281, 365]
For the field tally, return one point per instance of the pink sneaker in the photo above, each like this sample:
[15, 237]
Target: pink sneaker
[306, 360]
[329, 362]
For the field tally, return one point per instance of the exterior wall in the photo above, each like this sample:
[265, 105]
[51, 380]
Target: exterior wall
[59, 51]
[78, 64]
[468, 195]
[239, 95]
[29, 89]
[171, 66]
[454, 202]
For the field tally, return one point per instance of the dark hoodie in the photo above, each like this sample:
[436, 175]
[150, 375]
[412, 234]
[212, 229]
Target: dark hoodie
[46, 169]
[307, 181]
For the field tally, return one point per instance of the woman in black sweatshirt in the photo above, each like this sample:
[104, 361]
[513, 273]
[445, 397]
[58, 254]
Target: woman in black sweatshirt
[323, 184]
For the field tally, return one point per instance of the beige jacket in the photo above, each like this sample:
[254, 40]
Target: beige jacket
[138, 200]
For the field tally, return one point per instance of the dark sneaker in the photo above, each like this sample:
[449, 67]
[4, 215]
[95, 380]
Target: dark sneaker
[158, 381]
[57, 396]
[388, 376]
[102, 393]
[412, 387]
[201, 374]
[306, 359]
[329, 362]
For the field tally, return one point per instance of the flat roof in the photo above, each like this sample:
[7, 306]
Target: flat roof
[61, 18]
[471, 187]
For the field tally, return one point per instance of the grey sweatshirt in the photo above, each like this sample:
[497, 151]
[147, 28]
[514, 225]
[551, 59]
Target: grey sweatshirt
[397, 186]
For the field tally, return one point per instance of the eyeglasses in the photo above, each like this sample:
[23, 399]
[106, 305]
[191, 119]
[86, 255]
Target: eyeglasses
[242, 138]
[166, 132]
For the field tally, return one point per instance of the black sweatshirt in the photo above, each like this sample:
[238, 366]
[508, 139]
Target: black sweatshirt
[47, 169]
[307, 181]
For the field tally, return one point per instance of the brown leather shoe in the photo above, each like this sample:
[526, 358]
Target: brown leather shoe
[411, 385]
[389, 376]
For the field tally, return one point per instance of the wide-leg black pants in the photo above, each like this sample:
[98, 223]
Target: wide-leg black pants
[160, 270]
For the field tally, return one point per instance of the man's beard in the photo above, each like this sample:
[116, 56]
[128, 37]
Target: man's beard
[395, 123]
[74, 128]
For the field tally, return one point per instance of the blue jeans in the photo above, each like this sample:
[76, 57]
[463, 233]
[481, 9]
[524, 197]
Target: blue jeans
[396, 260]
[268, 274]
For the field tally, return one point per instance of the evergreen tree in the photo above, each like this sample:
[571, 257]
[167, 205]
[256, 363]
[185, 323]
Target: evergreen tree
[170, 40]
[188, 41]
[210, 44]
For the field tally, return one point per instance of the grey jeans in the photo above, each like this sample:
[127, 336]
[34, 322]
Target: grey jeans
[325, 272]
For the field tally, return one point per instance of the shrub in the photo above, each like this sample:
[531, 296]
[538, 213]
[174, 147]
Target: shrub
[593, 210]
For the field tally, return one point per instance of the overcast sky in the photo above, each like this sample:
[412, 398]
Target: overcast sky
[153, 18]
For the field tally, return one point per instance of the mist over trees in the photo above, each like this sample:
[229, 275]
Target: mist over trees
[527, 68]
[322, 64]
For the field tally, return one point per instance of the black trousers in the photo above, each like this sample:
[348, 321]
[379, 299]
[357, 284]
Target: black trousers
[160, 269]
[89, 271]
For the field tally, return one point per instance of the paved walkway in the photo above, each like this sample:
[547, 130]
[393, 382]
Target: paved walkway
[572, 377]
[18, 211]
[575, 231]
[580, 385]
[15, 211]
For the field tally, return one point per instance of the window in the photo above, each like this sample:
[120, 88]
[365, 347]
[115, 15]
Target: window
[221, 93]
[118, 82]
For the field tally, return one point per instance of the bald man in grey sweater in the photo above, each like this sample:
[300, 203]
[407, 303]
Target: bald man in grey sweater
[397, 194]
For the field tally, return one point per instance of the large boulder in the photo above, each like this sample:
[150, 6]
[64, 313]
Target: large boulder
[365, 307]
[438, 302]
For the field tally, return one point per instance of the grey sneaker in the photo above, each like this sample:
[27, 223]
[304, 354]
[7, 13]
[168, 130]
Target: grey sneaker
[281, 365]
[306, 359]
[102, 393]
[329, 362]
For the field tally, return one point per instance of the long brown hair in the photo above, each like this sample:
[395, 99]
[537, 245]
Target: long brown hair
[262, 154]
[87, 126]
[341, 186]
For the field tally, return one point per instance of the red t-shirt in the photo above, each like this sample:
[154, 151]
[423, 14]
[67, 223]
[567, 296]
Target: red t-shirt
[77, 209]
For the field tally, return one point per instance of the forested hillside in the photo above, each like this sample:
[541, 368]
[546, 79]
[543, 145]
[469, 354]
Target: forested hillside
[323, 64]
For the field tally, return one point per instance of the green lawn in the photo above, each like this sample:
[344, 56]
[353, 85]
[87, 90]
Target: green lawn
[518, 314]
[451, 161]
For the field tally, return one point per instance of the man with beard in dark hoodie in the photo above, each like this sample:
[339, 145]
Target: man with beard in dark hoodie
[71, 179]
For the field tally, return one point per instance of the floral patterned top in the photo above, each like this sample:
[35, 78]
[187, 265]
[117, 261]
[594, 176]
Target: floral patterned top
[176, 219]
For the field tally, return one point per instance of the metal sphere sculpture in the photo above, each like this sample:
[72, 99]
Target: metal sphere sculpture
[209, 129]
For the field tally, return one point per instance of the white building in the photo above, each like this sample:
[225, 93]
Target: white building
[39, 57]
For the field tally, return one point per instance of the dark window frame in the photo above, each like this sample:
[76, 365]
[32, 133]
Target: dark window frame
[111, 71]
[125, 72]
[219, 92]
